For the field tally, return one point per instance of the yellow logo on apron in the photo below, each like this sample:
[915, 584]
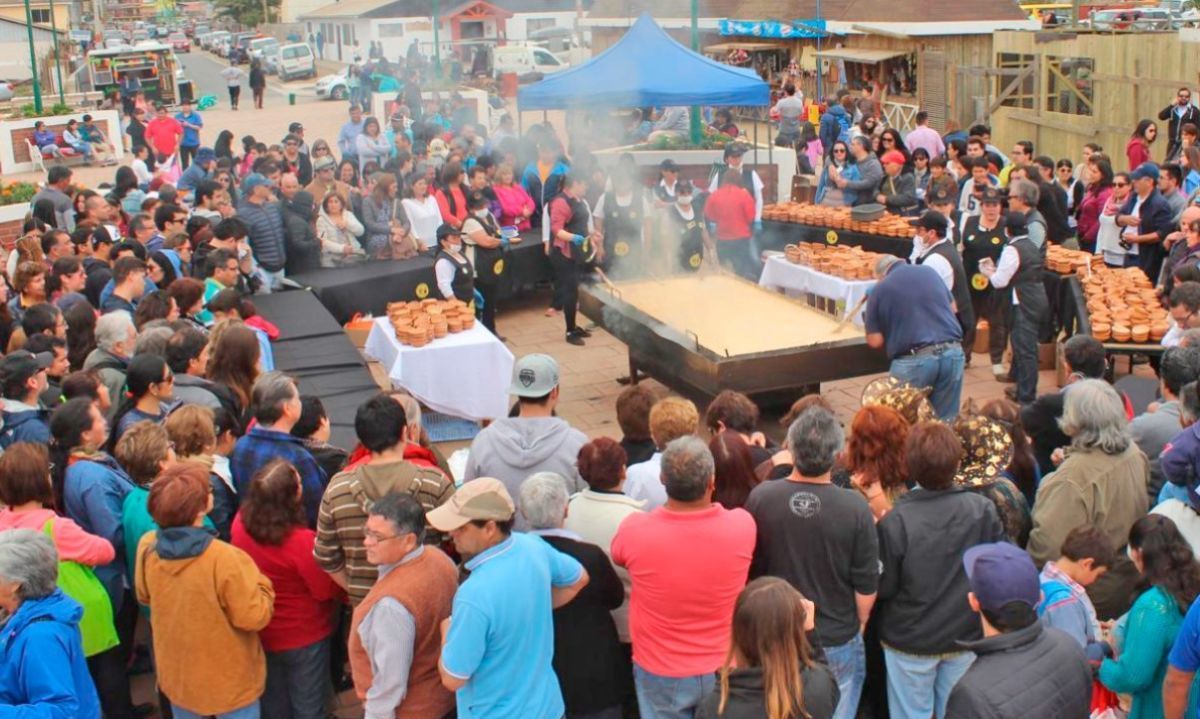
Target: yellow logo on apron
[695, 260]
[498, 268]
[621, 248]
[979, 281]
[995, 240]
[422, 291]
[831, 237]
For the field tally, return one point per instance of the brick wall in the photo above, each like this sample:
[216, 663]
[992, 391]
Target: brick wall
[21, 150]
[9, 232]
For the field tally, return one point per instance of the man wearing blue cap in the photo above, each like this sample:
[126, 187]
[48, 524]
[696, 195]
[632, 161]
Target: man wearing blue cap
[198, 172]
[259, 211]
[1145, 220]
[1022, 668]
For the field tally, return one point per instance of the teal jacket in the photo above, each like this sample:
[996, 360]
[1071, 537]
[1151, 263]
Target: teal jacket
[1154, 620]
[137, 523]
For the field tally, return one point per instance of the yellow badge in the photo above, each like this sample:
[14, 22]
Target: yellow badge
[995, 240]
[979, 282]
[422, 291]
[831, 237]
[621, 249]
[498, 268]
[695, 260]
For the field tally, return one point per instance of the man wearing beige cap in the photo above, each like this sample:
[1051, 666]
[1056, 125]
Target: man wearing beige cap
[512, 448]
[498, 644]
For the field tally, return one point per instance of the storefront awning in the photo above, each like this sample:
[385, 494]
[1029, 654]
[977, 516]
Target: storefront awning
[772, 28]
[747, 46]
[863, 55]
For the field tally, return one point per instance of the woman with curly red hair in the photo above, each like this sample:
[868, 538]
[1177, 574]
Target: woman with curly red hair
[875, 456]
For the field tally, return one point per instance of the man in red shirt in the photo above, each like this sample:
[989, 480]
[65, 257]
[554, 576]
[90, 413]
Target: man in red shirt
[163, 133]
[731, 209]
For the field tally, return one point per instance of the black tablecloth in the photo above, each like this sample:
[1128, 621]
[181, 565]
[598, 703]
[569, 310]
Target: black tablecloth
[369, 286]
[313, 348]
[777, 235]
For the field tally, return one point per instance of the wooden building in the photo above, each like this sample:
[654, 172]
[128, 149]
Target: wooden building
[911, 51]
[1062, 90]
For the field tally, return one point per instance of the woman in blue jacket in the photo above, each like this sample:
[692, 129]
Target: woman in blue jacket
[43, 672]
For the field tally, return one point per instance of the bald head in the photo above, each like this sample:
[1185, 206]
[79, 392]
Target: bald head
[1190, 215]
[289, 185]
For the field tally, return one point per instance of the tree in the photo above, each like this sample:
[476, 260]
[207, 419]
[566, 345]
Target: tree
[249, 13]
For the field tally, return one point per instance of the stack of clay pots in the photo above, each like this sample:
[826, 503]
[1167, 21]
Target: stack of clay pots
[419, 323]
[837, 218]
[1123, 307]
[848, 263]
[1066, 262]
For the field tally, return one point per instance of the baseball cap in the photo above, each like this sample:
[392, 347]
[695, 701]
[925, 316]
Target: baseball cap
[534, 376]
[483, 498]
[253, 180]
[930, 220]
[668, 165]
[295, 127]
[1144, 170]
[447, 230]
[19, 366]
[735, 148]
[1000, 573]
[941, 196]
[991, 195]
[323, 163]
[892, 157]
[205, 154]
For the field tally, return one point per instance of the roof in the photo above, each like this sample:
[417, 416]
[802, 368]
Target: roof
[858, 54]
[646, 67]
[879, 11]
[398, 9]
[36, 26]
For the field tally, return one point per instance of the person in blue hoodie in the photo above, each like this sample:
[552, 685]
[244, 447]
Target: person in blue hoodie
[43, 673]
[543, 178]
[22, 379]
[835, 125]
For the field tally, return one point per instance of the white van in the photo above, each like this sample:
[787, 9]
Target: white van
[296, 60]
[525, 59]
[262, 46]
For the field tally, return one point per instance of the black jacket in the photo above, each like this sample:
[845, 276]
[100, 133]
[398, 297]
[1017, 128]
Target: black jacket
[746, 695]
[267, 236]
[592, 670]
[1175, 127]
[1031, 672]
[1040, 421]
[923, 587]
[303, 247]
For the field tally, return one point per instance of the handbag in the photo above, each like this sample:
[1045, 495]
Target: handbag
[1105, 703]
[79, 582]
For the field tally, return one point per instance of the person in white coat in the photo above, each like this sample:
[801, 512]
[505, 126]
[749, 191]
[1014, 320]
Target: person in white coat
[338, 230]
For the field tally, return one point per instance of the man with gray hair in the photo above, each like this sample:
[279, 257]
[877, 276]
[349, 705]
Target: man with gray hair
[1023, 197]
[821, 538]
[679, 591]
[276, 404]
[395, 631]
[116, 337]
[592, 669]
[44, 670]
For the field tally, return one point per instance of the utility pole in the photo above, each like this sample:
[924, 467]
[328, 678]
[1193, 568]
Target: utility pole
[33, 66]
[57, 59]
[820, 77]
[695, 113]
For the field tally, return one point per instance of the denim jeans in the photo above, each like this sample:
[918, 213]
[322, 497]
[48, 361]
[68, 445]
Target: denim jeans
[848, 662]
[736, 256]
[297, 683]
[919, 686]
[1024, 339]
[271, 281]
[249, 711]
[941, 370]
[662, 697]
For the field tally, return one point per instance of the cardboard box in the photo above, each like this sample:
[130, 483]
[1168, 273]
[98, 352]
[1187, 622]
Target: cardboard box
[357, 330]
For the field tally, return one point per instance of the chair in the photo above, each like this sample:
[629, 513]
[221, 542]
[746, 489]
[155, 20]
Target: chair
[35, 155]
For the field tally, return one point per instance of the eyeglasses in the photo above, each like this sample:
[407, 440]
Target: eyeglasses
[292, 144]
[378, 538]
[840, 149]
[1120, 184]
[1184, 96]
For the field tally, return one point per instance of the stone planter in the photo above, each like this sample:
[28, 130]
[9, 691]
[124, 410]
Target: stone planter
[775, 166]
[14, 153]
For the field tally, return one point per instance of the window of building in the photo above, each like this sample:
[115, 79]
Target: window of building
[1069, 85]
[41, 17]
[1018, 66]
[534, 24]
[391, 29]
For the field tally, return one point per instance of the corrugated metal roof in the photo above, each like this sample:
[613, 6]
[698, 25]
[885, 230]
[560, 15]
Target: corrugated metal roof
[861, 11]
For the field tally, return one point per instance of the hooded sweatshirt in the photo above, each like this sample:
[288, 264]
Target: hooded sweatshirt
[513, 448]
[343, 515]
[43, 672]
[24, 423]
[190, 579]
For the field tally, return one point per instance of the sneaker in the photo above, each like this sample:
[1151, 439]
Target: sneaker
[550, 312]
[574, 338]
[582, 332]
[1011, 393]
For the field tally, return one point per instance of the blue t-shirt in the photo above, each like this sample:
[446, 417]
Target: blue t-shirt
[1185, 654]
[911, 307]
[191, 138]
[501, 637]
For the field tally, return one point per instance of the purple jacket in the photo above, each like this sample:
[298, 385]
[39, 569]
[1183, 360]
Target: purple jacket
[1180, 459]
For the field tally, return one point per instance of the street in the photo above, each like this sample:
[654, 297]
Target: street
[204, 70]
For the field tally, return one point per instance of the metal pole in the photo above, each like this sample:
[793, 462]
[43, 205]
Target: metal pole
[695, 113]
[33, 66]
[820, 78]
[57, 59]
[437, 43]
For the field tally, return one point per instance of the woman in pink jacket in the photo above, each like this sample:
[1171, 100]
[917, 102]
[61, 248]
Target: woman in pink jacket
[516, 206]
[1099, 175]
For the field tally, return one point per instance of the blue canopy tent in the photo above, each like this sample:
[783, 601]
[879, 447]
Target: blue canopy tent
[646, 67]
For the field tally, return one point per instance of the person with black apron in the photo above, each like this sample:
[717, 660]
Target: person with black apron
[686, 236]
[621, 215]
[572, 246]
[983, 236]
[933, 248]
[454, 273]
[1020, 272]
[485, 250]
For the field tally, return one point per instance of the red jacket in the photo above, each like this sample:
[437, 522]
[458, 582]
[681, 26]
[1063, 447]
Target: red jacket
[414, 453]
[732, 208]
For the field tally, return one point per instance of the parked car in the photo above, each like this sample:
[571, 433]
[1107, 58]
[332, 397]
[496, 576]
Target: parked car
[260, 47]
[525, 60]
[293, 61]
[6, 91]
[333, 87]
[179, 42]
[213, 40]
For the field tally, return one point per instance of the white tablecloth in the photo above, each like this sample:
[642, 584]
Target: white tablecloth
[466, 374]
[782, 276]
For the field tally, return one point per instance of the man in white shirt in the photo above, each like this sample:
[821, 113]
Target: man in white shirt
[670, 419]
[1020, 268]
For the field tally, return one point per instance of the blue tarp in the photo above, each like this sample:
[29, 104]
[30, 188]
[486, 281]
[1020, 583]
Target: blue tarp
[646, 68]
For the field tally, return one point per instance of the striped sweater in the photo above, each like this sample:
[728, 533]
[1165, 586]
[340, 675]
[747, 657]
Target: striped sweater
[343, 515]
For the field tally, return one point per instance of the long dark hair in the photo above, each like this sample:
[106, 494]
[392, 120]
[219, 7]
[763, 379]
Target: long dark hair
[1167, 559]
[43, 210]
[1140, 131]
[81, 333]
[272, 507]
[735, 475]
[1104, 167]
[67, 425]
[234, 361]
[144, 370]
[224, 144]
[125, 181]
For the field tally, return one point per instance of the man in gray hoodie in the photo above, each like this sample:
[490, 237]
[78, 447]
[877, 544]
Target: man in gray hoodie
[869, 170]
[513, 448]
